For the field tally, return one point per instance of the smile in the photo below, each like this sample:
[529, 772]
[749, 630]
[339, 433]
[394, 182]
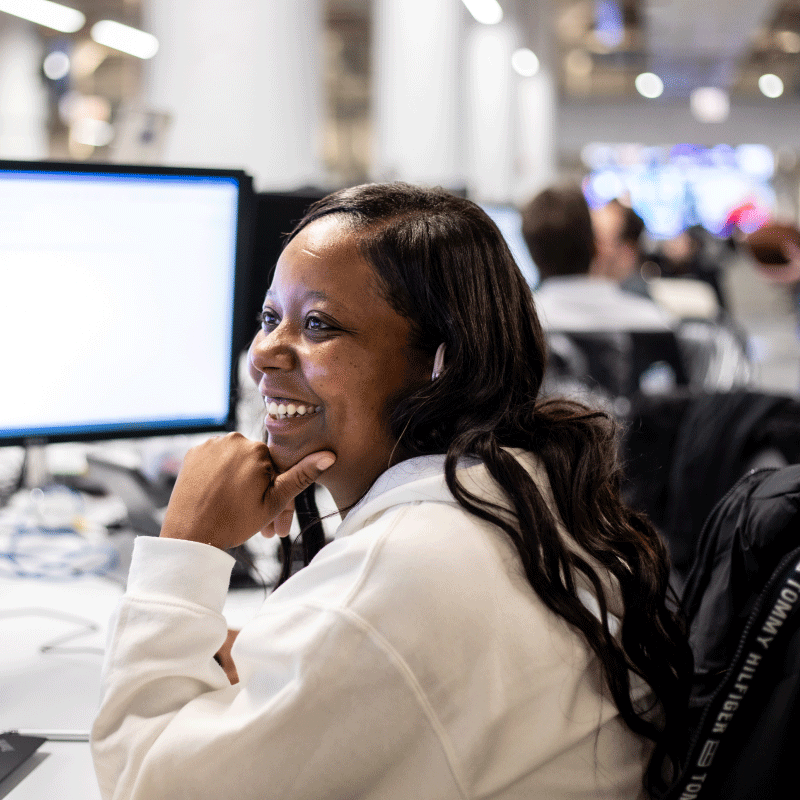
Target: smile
[280, 408]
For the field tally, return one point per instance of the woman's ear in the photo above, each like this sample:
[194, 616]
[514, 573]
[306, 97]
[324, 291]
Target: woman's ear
[438, 362]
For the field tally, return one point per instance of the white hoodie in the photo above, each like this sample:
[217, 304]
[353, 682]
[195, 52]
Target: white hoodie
[411, 659]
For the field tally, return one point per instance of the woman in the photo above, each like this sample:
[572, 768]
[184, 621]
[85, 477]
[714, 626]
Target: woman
[490, 621]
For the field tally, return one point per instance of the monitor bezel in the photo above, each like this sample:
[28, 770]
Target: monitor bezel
[242, 272]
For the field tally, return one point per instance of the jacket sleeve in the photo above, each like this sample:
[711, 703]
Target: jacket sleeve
[324, 707]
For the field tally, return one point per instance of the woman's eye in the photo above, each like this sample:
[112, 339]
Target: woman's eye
[317, 324]
[268, 320]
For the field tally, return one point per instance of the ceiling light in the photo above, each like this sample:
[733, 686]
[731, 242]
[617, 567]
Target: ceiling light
[124, 38]
[525, 62]
[649, 85]
[56, 65]
[43, 12]
[487, 12]
[710, 104]
[770, 85]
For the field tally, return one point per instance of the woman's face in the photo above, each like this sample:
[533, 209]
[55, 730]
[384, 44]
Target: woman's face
[331, 346]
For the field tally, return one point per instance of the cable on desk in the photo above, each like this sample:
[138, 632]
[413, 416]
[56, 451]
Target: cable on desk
[87, 626]
[55, 554]
[45, 543]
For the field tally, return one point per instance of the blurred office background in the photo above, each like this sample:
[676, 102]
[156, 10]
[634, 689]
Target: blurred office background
[685, 108]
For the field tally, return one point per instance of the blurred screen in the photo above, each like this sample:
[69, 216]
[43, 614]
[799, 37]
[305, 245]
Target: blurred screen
[675, 188]
[509, 220]
[117, 301]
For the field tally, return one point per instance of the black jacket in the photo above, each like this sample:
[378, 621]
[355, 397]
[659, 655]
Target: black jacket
[747, 535]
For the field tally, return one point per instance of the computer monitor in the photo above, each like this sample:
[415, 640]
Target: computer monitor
[509, 220]
[121, 294]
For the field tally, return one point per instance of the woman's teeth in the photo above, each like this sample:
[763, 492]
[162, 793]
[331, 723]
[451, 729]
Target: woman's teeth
[284, 410]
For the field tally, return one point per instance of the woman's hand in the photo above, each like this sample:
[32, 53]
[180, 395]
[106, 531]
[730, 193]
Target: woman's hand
[228, 489]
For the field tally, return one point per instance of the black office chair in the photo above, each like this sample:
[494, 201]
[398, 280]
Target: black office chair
[622, 363]
[683, 451]
[742, 601]
[715, 354]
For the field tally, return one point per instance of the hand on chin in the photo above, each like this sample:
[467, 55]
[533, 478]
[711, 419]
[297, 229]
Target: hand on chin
[285, 456]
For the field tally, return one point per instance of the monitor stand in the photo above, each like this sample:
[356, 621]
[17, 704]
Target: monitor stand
[35, 472]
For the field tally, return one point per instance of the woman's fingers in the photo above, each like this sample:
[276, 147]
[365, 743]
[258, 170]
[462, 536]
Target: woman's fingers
[281, 524]
[228, 489]
[289, 484]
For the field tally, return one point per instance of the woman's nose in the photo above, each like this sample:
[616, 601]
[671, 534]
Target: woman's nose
[269, 351]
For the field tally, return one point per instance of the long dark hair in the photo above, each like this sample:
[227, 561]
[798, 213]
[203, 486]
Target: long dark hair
[443, 264]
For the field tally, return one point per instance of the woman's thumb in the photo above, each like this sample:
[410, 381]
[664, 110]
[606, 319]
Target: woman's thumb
[305, 472]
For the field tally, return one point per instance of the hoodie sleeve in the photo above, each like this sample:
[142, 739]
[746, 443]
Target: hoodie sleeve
[325, 707]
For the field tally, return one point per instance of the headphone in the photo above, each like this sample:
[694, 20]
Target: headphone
[438, 362]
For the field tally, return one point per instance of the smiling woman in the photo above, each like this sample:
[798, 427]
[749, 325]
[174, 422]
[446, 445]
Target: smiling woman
[331, 342]
[490, 619]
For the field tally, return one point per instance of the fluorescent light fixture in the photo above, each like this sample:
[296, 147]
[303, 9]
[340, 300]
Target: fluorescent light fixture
[43, 12]
[710, 104]
[649, 85]
[487, 12]
[770, 85]
[525, 62]
[124, 38]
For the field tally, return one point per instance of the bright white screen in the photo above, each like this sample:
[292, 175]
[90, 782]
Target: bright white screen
[509, 221]
[116, 301]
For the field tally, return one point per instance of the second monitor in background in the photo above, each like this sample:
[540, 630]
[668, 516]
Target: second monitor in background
[509, 221]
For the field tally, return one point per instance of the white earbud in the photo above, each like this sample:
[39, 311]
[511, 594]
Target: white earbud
[438, 362]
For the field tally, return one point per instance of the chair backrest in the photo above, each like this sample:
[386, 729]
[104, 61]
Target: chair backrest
[742, 601]
[626, 361]
[715, 352]
[684, 451]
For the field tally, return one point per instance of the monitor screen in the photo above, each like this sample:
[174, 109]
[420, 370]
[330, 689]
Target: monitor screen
[509, 220]
[120, 297]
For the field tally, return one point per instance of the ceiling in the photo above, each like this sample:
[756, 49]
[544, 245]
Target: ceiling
[689, 44]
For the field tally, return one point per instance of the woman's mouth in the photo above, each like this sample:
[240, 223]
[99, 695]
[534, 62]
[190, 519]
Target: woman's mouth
[284, 408]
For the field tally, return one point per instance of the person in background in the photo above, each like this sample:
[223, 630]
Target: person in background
[618, 231]
[694, 254]
[576, 293]
[490, 620]
[775, 250]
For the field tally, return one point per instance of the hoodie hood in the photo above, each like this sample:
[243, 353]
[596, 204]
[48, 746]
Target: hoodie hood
[422, 480]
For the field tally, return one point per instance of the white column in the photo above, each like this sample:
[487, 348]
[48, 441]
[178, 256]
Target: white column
[23, 98]
[537, 100]
[538, 157]
[417, 91]
[242, 81]
[491, 105]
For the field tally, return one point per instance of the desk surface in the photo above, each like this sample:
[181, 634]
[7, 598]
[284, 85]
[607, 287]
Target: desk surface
[56, 769]
[60, 689]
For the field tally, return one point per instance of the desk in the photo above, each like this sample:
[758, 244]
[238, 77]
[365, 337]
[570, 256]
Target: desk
[59, 689]
[57, 769]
